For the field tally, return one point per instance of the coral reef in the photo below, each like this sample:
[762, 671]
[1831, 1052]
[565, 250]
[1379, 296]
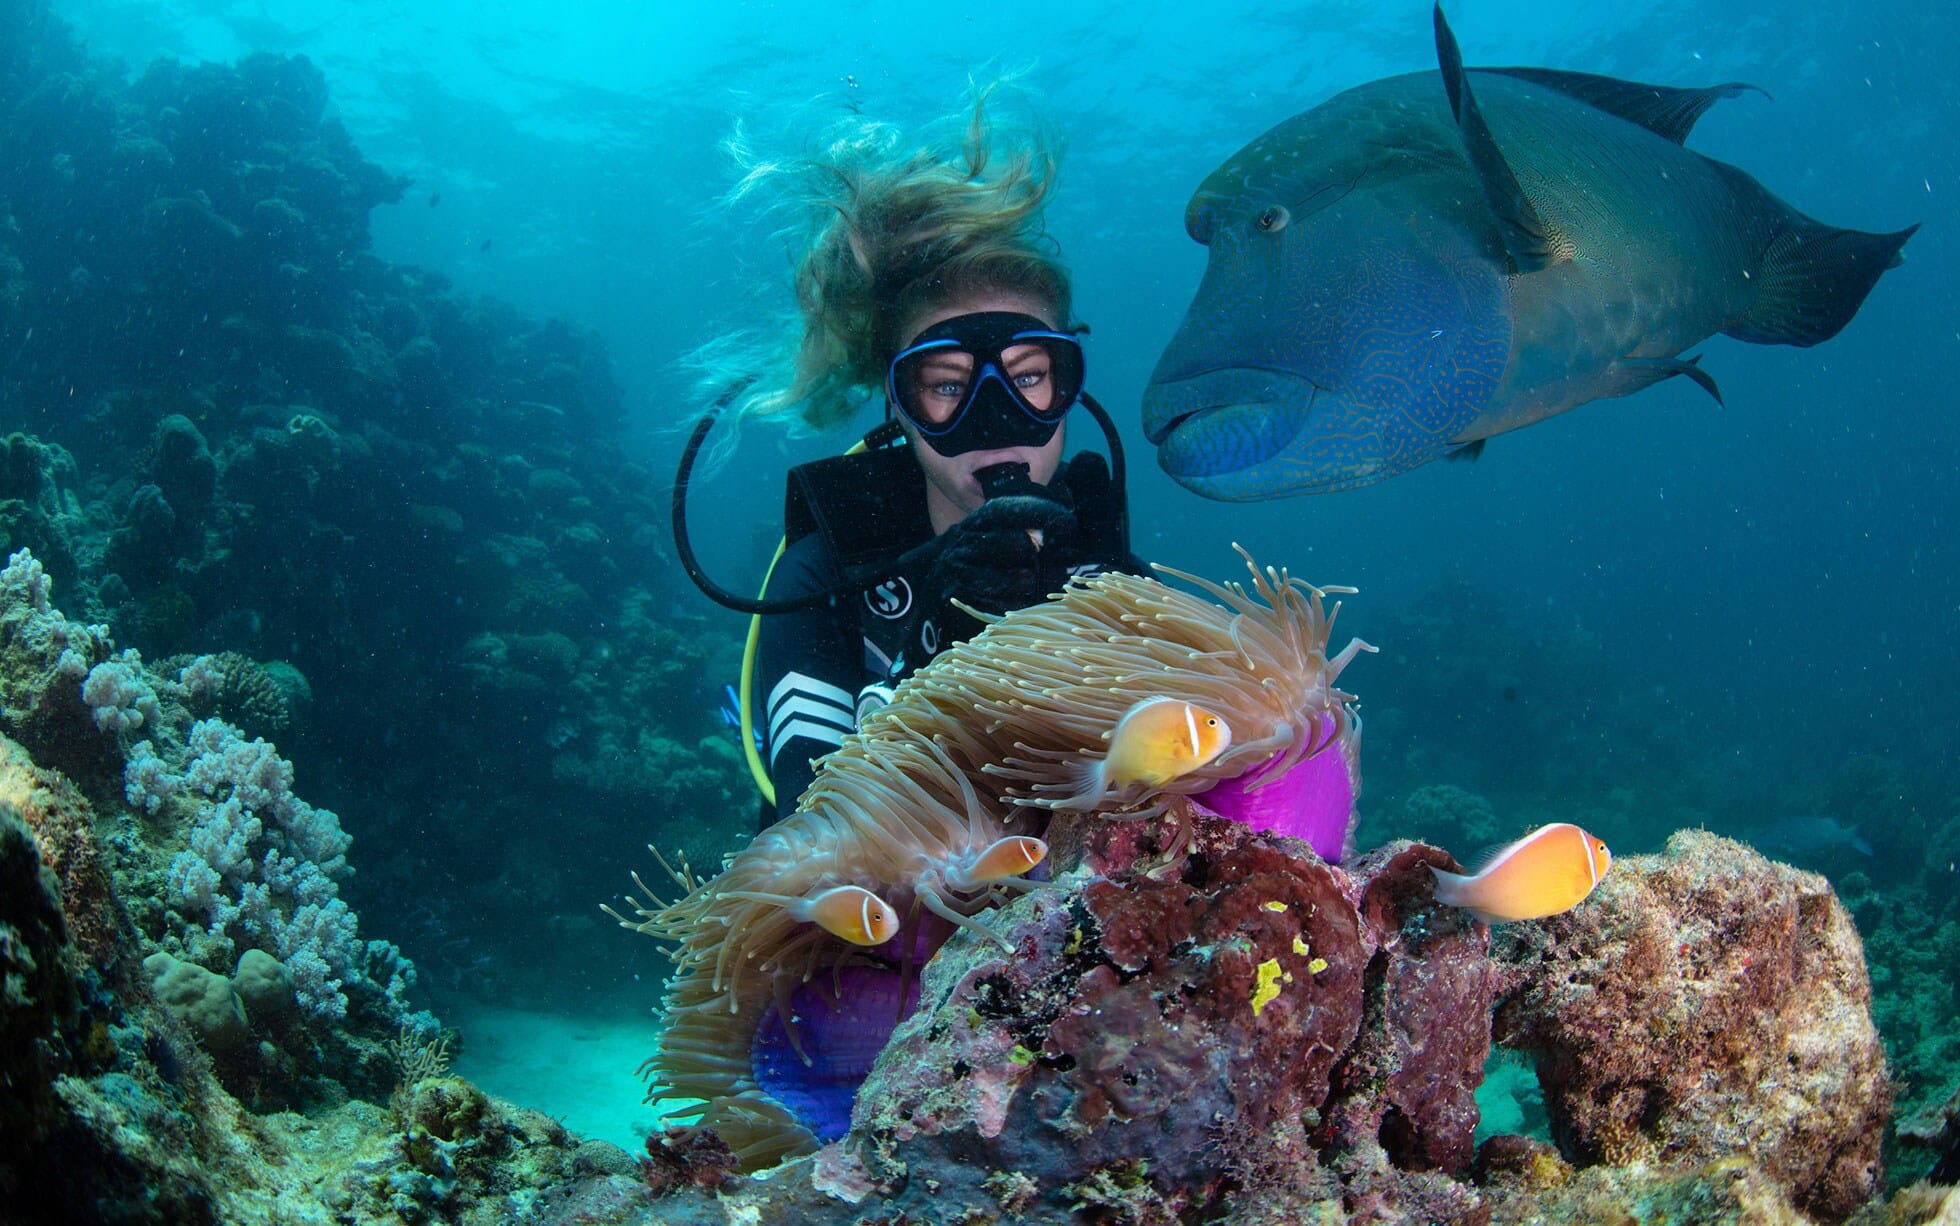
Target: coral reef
[1711, 1005]
[137, 1085]
[232, 861]
[410, 497]
[1198, 1018]
[242, 437]
[37, 989]
[1130, 1058]
[1937, 1129]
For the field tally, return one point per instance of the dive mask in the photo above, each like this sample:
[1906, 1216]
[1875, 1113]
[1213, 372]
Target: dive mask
[986, 381]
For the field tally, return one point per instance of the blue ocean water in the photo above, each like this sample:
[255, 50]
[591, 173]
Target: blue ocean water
[1720, 609]
[1781, 566]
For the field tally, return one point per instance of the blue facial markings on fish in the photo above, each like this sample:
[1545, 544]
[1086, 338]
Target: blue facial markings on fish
[1429, 260]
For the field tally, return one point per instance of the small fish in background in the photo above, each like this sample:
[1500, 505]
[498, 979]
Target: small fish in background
[435, 198]
[1810, 840]
[731, 714]
[1156, 741]
[483, 248]
[1549, 871]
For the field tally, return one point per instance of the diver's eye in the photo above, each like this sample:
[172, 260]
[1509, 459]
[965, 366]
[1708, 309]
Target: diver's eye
[1273, 220]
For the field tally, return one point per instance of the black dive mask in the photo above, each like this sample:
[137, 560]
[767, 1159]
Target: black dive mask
[986, 381]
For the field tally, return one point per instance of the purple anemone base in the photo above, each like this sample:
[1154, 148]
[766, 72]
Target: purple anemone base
[841, 1033]
[1314, 801]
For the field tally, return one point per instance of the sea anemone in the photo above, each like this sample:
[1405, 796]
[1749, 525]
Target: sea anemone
[933, 808]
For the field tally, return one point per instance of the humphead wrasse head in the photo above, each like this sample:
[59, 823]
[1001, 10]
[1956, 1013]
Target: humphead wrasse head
[1343, 332]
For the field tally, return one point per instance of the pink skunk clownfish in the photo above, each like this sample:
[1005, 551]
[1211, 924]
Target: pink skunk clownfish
[1156, 741]
[848, 912]
[998, 861]
[1546, 872]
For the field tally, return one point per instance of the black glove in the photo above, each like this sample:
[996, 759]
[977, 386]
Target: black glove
[1006, 555]
[1102, 520]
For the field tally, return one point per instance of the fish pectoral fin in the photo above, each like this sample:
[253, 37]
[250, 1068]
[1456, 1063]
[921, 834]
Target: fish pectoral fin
[1527, 239]
[1661, 109]
[1473, 450]
[1813, 278]
[1643, 373]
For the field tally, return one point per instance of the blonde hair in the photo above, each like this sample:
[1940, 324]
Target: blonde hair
[971, 748]
[883, 229]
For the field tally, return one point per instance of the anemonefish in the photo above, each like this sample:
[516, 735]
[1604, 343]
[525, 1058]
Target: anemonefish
[1156, 741]
[998, 861]
[1548, 871]
[848, 912]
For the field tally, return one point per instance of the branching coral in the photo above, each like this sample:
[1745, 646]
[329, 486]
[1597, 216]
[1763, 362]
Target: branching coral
[48, 651]
[262, 864]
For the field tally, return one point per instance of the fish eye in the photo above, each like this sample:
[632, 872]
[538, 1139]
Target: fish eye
[1211, 723]
[1273, 220]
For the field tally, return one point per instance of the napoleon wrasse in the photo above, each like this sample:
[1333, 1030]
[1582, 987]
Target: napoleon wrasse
[789, 977]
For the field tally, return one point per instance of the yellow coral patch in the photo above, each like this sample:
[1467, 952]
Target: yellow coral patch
[1268, 989]
[1300, 947]
[1273, 905]
[1317, 965]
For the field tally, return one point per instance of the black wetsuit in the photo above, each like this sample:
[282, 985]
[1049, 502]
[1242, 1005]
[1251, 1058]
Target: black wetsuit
[820, 671]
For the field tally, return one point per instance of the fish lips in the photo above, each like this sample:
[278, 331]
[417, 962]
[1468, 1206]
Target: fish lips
[1227, 434]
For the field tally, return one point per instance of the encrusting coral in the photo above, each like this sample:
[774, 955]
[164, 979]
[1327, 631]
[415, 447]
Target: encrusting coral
[905, 810]
[1255, 1035]
[1713, 1004]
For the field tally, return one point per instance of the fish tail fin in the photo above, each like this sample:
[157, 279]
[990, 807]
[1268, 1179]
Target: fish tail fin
[1449, 886]
[1812, 280]
[1086, 787]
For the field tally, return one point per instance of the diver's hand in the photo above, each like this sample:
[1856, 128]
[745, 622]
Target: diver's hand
[1006, 555]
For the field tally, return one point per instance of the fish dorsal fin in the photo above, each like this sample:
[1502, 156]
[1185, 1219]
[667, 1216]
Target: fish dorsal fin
[1661, 109]
[1526, 238]
[1487, 858]
[1480, 860]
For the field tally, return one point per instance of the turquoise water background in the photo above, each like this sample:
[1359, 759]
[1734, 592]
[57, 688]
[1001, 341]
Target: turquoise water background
[1784, 566]
[1762, 592]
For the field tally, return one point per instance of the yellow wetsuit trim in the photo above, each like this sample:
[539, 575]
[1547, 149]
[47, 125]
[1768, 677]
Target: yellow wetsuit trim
[757, 768]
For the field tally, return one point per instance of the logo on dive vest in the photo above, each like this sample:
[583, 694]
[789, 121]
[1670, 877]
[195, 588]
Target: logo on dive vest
[891, 599]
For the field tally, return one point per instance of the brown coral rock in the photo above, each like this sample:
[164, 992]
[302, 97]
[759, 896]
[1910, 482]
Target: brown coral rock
[63, 825]
[1707, 1005]
[1247, 1029]
[1409, 1082]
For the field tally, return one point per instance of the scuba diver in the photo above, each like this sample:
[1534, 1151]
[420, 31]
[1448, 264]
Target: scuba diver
[928, 280]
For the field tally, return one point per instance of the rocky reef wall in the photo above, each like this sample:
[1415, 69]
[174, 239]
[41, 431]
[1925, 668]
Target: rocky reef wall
[1250, 1034]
